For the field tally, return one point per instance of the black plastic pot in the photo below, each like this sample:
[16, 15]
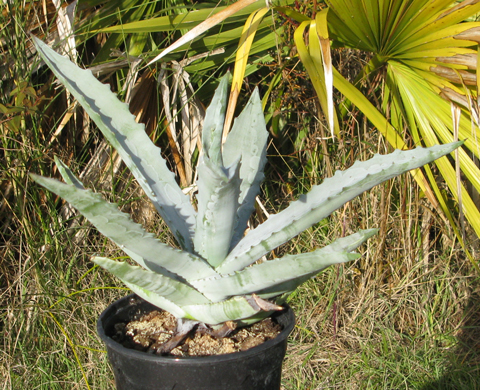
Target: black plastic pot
[257, 368]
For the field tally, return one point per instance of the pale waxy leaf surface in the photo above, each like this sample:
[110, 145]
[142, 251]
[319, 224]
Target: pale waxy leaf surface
[325, 198]
[127, 234]
[67, 174]
[218, 191]
[157, 300]
[177, 292]
[213, 123]
[128, 137]
[176, 297]
[247, 142]
[218, 186]
[233, 309]
[283, 274]
[346, 244]
[270, 273]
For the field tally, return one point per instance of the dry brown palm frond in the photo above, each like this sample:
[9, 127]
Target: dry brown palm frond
[184, 113]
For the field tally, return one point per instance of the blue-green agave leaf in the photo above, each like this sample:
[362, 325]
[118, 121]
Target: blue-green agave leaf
[213, 123]
[128, 137]
[157, 300]
[325, 198]
[289, 268]
[346, 244]
[173, 290]
[233, 309]
[128, 235]
[67, 174]
[218, 191]
[247, 142]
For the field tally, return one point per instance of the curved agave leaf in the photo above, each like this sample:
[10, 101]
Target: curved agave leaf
[388, 131]
[325, 198]
[173, 290]
[67, 174]
[346, 244]
[218, 192]
[178, 298]
[138, 152]
[284, 274]
[236, 308]
[213, 124]
[218, 187]
[270, 273]
[247, 142]
[157, 300]
[70, 178]
[221, 222]
[112, 223]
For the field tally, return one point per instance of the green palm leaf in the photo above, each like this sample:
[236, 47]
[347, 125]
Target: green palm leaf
[412, 43]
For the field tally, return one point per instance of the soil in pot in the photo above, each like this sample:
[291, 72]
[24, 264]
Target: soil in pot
[151, 330]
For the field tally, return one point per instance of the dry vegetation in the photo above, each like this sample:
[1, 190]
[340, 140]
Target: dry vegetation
[404, 316]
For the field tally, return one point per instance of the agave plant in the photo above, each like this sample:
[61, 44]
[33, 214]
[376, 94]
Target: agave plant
[215, 277]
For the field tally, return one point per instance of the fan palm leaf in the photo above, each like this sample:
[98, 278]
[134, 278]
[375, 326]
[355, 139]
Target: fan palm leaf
[423, 51]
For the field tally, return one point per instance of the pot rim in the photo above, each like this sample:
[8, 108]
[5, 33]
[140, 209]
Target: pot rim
[113, 308]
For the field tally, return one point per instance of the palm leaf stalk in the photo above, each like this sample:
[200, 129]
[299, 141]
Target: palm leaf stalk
[215, 277]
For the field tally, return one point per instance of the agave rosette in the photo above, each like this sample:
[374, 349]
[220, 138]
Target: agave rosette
[215, 276]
